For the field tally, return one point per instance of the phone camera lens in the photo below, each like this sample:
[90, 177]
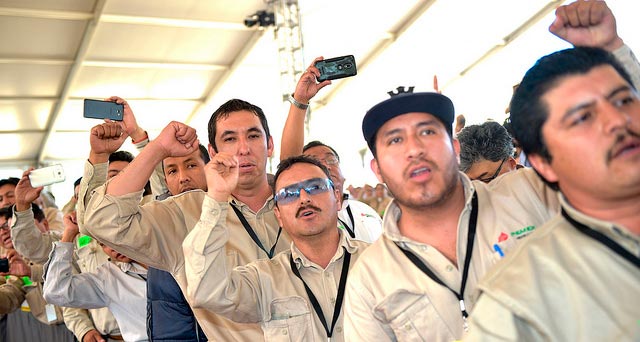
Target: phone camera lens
[339, 66]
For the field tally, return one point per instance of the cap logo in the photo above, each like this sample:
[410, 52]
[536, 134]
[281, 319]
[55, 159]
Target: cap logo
[400, 90]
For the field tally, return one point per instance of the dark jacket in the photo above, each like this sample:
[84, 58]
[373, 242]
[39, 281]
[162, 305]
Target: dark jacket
[169, 316]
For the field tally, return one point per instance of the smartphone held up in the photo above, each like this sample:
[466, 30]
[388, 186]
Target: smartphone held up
[337, 67]
[47, 175]
[96, 109]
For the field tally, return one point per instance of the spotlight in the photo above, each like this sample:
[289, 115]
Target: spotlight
[262, 18]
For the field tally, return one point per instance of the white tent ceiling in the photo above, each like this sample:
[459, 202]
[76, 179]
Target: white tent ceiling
[180, 59]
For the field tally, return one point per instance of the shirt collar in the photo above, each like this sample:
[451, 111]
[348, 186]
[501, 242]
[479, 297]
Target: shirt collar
[618, 233]
[132, 267]
[345, 243]
[393, 212]
[268, 205]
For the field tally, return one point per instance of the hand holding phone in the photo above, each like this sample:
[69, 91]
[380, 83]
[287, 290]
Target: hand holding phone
[96, 109]
[47, 175]
[337, 67]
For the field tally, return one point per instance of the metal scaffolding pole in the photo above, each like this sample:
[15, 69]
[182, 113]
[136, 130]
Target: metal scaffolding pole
[288, 33]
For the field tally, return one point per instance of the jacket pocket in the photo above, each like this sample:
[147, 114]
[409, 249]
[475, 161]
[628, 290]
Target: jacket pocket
[411, 316]
[290, 320]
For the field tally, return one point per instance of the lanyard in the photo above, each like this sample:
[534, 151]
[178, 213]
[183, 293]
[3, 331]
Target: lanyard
[473, 220]
[136, 275]
[253, 235]
[352, 232]
[603, 239]
[316, 306]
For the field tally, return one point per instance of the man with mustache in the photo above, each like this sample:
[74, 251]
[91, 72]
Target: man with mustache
[282, 292]
[358, 219]
[443, 232]
[153, 233]
[577, 115]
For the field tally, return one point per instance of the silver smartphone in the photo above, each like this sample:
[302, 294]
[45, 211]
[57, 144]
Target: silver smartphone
[47, 175]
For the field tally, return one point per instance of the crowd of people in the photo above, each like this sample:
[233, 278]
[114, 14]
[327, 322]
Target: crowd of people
[527, 231]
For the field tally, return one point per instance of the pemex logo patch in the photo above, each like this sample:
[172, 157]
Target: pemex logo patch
[507, 240]
[520, 233]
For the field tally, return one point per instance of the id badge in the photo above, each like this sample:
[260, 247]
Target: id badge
[50, 310]
[25, 306]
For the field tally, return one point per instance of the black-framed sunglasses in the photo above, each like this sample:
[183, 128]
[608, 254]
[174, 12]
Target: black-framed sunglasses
[495, 174]
[312, 186]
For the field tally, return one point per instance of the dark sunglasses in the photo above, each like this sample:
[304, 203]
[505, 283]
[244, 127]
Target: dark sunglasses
[312, 186]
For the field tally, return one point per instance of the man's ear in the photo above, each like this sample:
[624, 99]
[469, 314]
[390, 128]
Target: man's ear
[543, 167]
[276, 211]
[339, 199]
[376, 169]
[456, 147]
[212, 152]
[511, 164]
[269, 146]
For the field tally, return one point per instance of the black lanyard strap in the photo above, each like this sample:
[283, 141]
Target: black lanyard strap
[340, 296]
[253, 235]
[473, 221]
[351, 231]
[136, 275]
[603, 239]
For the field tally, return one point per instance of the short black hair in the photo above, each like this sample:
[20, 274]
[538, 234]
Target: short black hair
[121, 156]
[38, 214]
[204, 154]
[316, 143]
[6, 212]
[529, 112]
[488, 141]
[234, 105]
[288, 162]
[11, 180]
[77, 182]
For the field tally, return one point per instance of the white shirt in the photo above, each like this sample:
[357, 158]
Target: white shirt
[122, 289]
[367, 221]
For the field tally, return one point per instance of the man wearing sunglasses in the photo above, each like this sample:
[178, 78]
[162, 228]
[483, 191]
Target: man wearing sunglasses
[298, 294]
[486, 151]
[359, 220]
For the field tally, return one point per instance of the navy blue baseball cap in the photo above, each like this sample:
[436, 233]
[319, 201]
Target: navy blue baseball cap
[435, 104]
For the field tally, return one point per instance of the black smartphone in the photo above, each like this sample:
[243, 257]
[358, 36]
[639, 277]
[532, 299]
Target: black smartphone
[96, 109]
[337, 67]
[4, 265]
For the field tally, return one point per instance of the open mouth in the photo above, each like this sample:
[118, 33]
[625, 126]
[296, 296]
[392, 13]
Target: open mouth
[625, 148]
[245, 166]
[307, 211]
[419, 172]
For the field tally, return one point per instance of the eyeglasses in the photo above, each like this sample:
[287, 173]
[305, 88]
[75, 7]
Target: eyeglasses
[331, 160]
[495, 174]
[312, 186]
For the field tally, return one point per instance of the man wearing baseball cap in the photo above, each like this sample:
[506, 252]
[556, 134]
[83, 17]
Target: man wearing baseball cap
[442, 232]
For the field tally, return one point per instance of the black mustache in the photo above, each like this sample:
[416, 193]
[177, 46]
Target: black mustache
[620, 138]
[301, 209]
